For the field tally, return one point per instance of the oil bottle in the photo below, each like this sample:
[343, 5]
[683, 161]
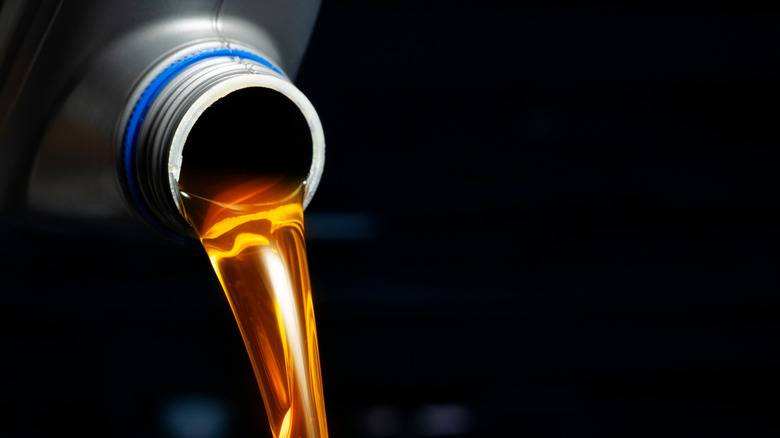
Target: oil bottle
[97, 97]
[178, 119]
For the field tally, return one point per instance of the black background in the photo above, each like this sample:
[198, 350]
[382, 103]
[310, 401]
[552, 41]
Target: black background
[555, 219]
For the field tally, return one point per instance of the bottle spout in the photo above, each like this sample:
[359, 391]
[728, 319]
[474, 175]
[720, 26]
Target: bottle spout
[229, 117]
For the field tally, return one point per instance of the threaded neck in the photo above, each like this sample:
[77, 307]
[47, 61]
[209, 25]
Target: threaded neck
[247, 111]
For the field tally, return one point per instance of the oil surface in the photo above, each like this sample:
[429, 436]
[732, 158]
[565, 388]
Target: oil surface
[252, 231]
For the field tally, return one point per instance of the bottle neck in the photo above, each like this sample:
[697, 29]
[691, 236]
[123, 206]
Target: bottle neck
[232, 106]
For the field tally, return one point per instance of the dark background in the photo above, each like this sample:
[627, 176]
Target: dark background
[556, 219]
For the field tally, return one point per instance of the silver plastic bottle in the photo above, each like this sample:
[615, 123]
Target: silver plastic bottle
[98, 98]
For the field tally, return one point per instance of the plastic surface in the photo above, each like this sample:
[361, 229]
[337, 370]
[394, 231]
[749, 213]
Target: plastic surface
[71, 72]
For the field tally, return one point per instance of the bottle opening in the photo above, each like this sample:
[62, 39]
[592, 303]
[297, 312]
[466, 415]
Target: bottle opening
[214, 125]
[254, 135]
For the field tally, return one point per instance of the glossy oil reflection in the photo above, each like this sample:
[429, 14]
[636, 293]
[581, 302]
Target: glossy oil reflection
[252, 232]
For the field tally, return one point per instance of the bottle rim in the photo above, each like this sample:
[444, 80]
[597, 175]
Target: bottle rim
[169, 107]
